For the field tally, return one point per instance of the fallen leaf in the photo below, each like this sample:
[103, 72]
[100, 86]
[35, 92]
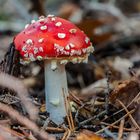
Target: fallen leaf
[126, 91]
[88, 135]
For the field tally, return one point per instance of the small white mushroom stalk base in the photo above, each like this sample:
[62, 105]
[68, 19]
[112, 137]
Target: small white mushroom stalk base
[55, 84]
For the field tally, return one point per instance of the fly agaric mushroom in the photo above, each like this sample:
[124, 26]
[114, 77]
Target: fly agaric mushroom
[57, 42]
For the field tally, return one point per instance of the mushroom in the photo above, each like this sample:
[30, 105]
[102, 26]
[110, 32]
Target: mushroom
[57, 42]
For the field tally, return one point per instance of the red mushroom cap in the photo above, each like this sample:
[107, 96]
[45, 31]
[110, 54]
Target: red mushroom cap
[52, 37]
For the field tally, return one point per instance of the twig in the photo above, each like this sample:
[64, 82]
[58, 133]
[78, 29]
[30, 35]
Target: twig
[132, 111]
[66, 134]
[77, 100]
[12, 132]
[70, 114]
[7, 121]
[89, 126]
[67, 110]
[53, 129]
[132, 119]
[121, 128]
[92, 118]
[25, 121]
[123, 108]
[69, 133]
[114, 126]
[77, 113]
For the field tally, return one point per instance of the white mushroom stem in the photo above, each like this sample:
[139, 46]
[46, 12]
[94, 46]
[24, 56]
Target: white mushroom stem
[55, 82]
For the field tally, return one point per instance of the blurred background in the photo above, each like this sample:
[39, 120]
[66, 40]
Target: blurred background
[112, 25]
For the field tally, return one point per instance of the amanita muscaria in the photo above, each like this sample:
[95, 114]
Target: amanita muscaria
[57, 42]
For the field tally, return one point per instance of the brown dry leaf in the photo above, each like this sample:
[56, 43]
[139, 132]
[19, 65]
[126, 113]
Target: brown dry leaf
[89, 26]
[125, 92]
[88, 135]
